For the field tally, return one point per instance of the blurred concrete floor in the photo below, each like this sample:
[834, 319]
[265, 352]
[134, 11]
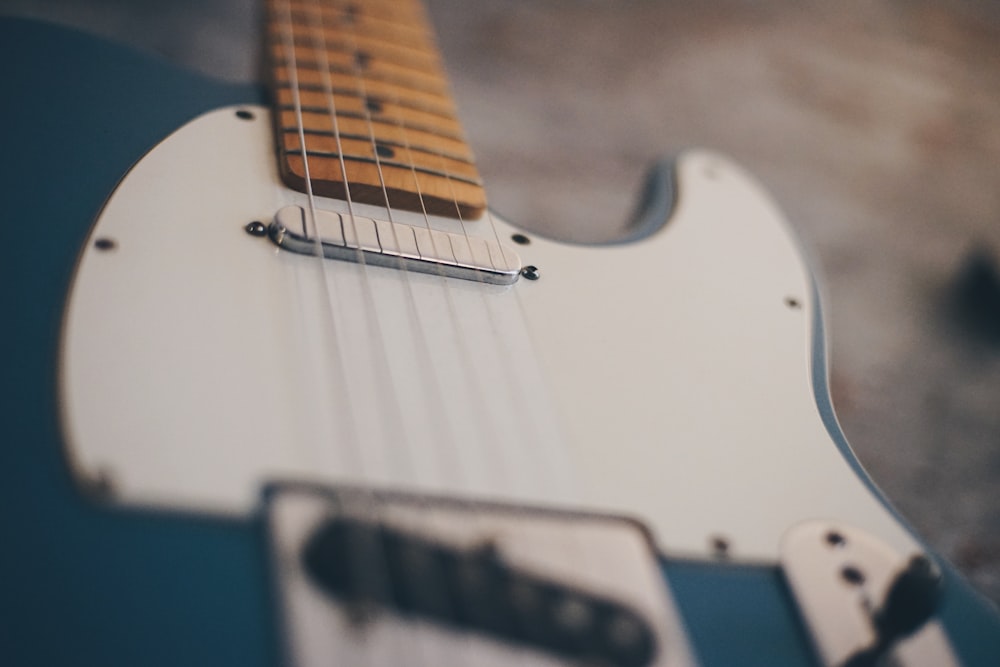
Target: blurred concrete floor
[875, 125]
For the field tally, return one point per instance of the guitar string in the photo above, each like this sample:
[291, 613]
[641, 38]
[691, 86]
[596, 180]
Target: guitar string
[490, 314]
[425, 359]
[363, 502]
[555, 443]
[387, 204]
[347, 422]
[445, 281]
[426, 371]
[472, 649]
[515, 386]
[557, 467]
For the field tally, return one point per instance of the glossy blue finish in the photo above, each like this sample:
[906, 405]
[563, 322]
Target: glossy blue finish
[82, 584]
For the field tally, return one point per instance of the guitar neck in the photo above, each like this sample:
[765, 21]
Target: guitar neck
[362, 107]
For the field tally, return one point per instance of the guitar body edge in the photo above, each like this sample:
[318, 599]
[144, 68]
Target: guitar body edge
[86, 583]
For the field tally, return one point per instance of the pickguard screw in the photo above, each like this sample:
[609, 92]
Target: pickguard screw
[243, 114]
[256, 228]
[793, 303]
[852, 575]
[520, 239]
[720, 546]
[530, 272]
[104, 243]
[102, 485]
[835, 539]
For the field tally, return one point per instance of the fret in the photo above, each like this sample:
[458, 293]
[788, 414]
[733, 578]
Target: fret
[402, 146]
[350, 98]
[406, 12]
[322, 115]
[308, 56]
[392, 106]
[384, 132]
[335, 40]
[313, 42]
[403, 34]
[440, 196]
[313, 74]
[349, 85]
[384, 164]
[362, 149]
[390, 113]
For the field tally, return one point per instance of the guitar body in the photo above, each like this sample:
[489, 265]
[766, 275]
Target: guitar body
[117, 557]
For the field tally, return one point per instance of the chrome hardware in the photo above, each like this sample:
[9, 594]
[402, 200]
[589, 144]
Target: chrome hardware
[395, 245]
[845, 580]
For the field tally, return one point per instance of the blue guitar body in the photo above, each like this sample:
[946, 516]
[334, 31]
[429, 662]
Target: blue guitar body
[82, 583]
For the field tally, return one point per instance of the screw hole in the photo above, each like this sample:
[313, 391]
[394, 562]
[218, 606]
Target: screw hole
[243, 114]
[520, 239]
[835, 539]
[720, 546]
[852, 575]
[105, 243]
[793, 303]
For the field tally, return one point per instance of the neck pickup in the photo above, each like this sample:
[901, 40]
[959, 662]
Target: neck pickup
[362, 108]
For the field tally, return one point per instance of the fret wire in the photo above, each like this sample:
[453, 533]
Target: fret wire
[402, 94]
[303, 55]
[402, 33]
[395, 143]
[317, 121]
[385, 53]
[364, 148]
[346, 92]
[378, 42]
[385, 77]
[389, 11]
[355, 114]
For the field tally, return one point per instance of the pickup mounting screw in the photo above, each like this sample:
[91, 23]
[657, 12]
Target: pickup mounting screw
[256, 228]
[530, 272]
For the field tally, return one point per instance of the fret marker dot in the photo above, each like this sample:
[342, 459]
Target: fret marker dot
[384, 151]
[373, 105]
[362, 59]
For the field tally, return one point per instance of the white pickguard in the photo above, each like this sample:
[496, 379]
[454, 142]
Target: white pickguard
[665, 379]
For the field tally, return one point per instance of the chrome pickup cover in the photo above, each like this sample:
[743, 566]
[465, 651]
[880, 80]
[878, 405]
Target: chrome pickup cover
[395, 245]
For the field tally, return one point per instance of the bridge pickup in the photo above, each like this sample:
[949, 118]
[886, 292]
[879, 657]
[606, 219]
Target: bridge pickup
[370, 564]
[355, 238]
[366, 577]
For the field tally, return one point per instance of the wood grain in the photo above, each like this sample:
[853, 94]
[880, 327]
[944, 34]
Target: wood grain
[369, 73]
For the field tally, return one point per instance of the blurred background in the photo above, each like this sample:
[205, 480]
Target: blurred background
[875, 125]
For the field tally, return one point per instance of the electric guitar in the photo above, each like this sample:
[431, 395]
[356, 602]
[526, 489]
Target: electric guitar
[281, 389]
